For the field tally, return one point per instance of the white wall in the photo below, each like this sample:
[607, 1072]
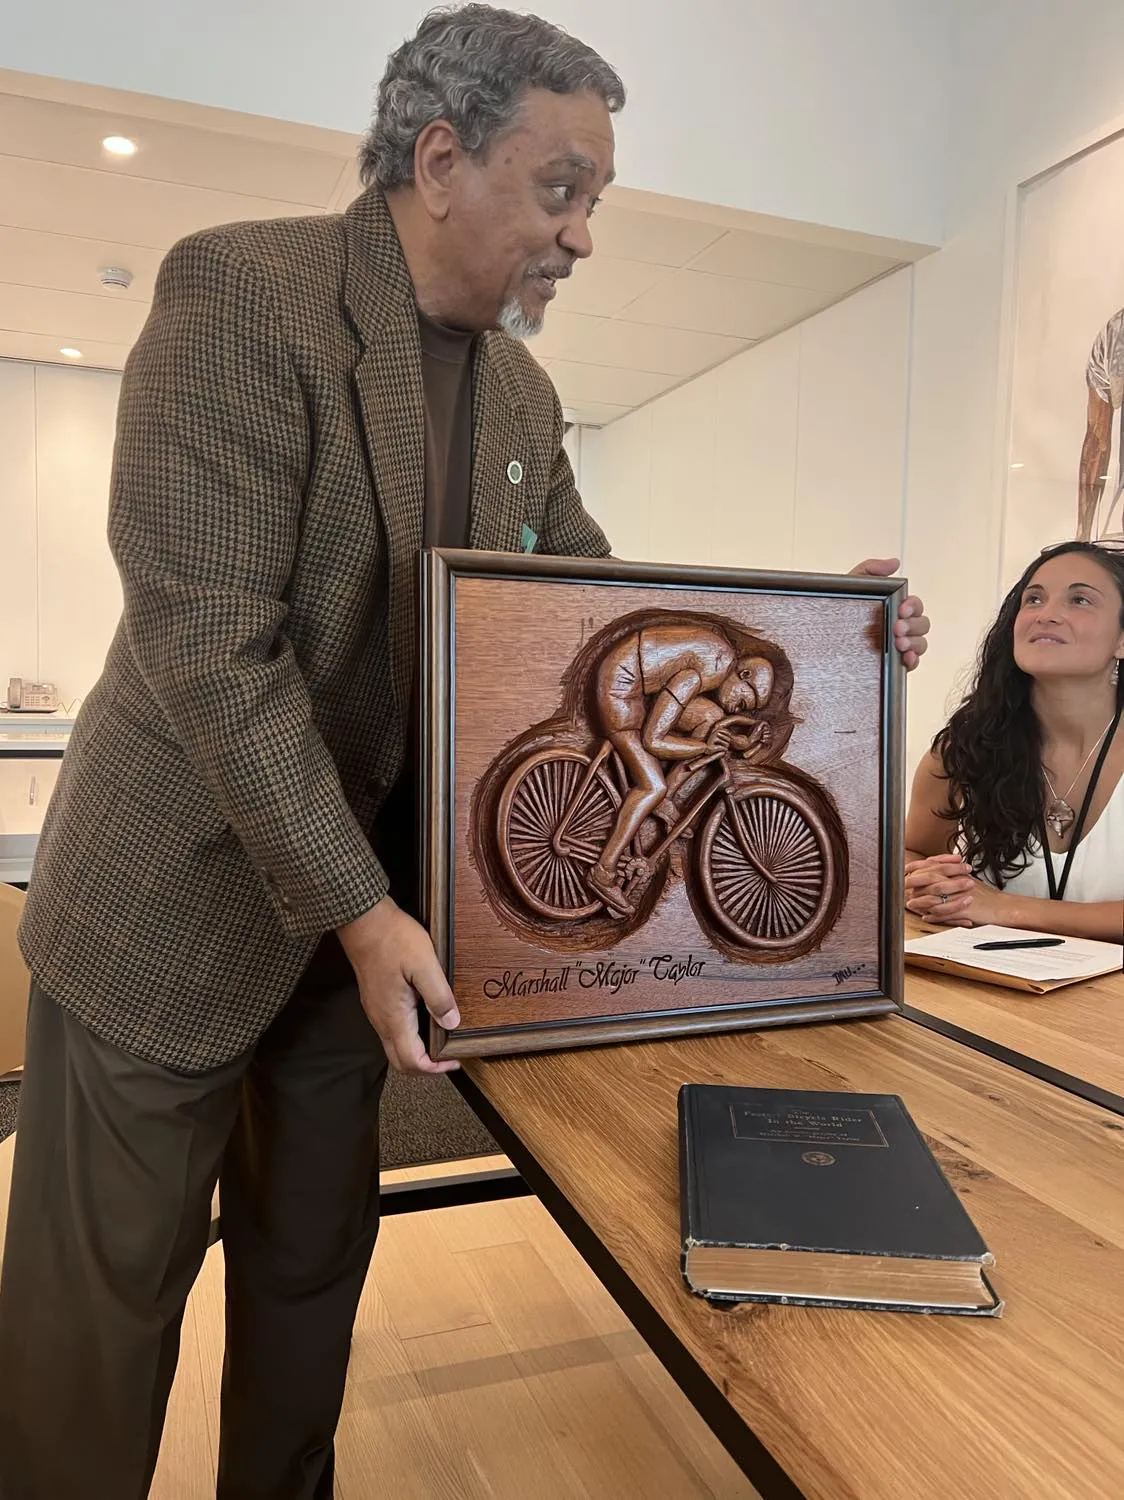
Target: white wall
[791, 455]
[871, 429]
[60, 598]
[1034, 79]
[831, 111]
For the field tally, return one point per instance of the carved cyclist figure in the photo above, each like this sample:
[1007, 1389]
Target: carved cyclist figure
[661, 693]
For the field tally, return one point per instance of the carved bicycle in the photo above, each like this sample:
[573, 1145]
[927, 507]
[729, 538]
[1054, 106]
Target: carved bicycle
[766, 870]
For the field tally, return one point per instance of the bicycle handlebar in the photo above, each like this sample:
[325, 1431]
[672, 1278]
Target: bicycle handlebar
[730, 721]
[736, 720]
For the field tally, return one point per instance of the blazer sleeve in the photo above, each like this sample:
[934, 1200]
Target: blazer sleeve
[570, 530]
[213, 448]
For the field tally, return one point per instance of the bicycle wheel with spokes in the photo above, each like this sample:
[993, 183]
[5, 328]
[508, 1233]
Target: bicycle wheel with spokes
[536, 798]
[768, 866]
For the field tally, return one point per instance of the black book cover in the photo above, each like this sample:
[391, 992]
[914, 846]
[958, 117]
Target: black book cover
[846, 1173]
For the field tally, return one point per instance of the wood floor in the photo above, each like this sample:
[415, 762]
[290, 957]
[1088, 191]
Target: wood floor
[487, 1362]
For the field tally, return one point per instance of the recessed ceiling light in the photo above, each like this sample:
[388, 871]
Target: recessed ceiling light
[120, 145]
[1018, 466]
[71, 353]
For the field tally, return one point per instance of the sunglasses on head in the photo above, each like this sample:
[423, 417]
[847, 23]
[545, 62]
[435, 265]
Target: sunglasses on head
[1104, 544]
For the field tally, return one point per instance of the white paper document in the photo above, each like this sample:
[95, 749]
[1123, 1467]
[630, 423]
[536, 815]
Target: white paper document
[1075, 958]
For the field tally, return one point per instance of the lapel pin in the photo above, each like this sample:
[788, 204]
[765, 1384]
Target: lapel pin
[515, 471]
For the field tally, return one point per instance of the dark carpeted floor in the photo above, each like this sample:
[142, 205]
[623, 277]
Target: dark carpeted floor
[422, 1120]
[425, 1119]
[9, 1093]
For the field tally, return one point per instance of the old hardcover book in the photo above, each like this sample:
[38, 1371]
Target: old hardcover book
[821, 1198]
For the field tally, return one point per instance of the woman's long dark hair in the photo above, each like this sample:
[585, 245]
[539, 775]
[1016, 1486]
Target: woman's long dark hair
[991, 748]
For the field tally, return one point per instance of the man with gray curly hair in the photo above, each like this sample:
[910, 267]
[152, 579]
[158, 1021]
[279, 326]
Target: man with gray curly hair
[219, 923]
[483, 76]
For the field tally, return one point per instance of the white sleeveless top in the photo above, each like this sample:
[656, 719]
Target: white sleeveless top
[1097, 872]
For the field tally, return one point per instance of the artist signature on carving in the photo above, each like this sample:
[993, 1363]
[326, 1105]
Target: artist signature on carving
[665, 968]
[840, 975]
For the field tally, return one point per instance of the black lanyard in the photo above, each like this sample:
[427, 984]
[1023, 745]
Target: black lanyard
[1057, 891]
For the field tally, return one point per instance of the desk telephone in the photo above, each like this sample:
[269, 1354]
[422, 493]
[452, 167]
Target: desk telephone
[32, 697]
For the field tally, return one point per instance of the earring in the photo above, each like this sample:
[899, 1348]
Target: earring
[1114, 675]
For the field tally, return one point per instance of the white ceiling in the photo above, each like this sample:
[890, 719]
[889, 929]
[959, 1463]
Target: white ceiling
[674, 287]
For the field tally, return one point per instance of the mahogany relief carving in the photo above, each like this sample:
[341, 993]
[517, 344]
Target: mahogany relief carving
[665, 760]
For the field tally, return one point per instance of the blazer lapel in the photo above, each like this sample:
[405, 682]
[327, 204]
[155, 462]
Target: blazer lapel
[388, 383]
[500, 444]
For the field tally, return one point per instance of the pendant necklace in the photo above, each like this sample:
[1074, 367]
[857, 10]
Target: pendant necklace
[1059, 814]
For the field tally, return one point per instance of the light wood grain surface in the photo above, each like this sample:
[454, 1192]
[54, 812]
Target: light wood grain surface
[487, 1364]
[1079, 1029]
[860, 1405]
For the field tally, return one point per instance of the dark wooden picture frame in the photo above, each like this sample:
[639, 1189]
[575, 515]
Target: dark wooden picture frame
[776, 889]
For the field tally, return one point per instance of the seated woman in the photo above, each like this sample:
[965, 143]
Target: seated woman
[1033, 755]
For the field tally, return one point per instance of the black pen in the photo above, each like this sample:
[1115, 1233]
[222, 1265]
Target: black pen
[1021, 943]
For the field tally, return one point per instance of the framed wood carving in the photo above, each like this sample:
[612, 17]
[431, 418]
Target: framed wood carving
[659, 799]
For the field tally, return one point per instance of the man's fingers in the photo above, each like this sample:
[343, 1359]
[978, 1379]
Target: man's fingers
[911, 630]
[418, 1060]
[413, 1058]
[905, 641]
[395, 963]
[911, 649]
[406, 1051]
[429, 980]
[876, 567]
[910, 621]
[423, 1063]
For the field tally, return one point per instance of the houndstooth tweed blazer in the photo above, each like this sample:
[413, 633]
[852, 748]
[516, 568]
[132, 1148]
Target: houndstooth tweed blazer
[265, 516]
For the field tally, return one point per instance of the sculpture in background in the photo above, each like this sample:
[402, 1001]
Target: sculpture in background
[1104, 376]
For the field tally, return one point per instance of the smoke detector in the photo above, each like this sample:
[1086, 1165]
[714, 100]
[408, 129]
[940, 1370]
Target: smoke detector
[116, 276]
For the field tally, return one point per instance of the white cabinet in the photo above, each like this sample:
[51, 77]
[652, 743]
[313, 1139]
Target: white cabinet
[25, 790]
[31, 751]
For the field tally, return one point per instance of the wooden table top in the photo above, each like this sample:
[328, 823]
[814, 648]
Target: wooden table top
[858, 1405]
[1077, 1031]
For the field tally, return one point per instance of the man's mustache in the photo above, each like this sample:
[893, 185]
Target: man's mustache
[555, 273]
